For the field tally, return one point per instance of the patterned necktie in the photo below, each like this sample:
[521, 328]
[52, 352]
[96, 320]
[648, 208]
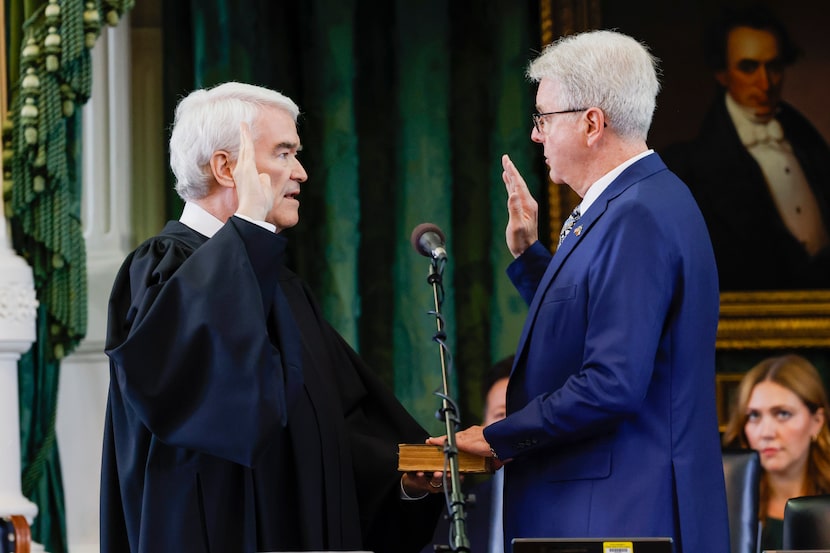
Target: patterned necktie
[569, 224]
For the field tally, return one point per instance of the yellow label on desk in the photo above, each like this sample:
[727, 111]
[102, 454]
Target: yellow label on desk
[617, 547]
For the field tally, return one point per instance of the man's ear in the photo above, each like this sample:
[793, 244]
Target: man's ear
[595, 123]
[722, 78]
[221, 167]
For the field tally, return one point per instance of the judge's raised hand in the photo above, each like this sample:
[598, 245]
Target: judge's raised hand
[254, 193]
[523, 211]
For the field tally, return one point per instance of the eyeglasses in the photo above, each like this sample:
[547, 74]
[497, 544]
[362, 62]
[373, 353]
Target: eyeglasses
[539, 118]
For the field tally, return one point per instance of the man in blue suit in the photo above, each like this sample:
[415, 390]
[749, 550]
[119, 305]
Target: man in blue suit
[611, 428]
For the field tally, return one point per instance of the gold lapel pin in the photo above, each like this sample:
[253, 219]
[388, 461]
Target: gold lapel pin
[578, 230]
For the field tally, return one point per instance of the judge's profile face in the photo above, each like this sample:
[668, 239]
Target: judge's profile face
[276, 145]
[754, 73]
[780, 427]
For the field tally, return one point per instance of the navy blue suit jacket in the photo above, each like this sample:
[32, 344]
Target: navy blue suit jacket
[611, 422]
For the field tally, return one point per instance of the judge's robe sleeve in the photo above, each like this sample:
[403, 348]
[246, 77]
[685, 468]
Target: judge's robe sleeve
[377, 422]
[190, 347]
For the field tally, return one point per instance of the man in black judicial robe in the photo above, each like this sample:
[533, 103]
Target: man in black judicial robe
[238, 419]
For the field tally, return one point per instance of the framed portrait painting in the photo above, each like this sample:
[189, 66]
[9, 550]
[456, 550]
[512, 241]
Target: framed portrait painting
[770, 232]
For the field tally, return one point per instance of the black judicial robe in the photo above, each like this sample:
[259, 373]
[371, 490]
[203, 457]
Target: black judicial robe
[238, 419]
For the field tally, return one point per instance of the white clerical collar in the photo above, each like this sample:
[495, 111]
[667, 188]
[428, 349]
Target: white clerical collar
[604, 181]
[198, 219]
[195, 217]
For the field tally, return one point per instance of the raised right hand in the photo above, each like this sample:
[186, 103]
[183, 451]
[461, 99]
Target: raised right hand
[253, 189]
[523, 211]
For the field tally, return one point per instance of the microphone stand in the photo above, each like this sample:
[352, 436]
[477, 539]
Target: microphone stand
[449, 414]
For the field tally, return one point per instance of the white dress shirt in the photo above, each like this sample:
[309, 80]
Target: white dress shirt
[604, 181]
[496, 544]
[195, 217]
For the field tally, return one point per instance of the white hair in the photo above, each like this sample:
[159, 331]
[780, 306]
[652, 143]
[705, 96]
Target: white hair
[604, 69]
[208, 120]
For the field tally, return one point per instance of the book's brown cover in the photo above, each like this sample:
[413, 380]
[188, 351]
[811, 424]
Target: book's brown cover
[430, 458]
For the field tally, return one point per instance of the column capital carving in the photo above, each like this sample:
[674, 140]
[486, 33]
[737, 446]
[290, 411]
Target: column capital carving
[18, 303]
[18, 300]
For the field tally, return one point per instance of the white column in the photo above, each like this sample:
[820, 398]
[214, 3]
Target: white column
[106, 218]
[18, 315]
[18, 312]
[18, 307]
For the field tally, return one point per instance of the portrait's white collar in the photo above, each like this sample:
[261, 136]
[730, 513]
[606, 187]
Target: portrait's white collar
[752, 129]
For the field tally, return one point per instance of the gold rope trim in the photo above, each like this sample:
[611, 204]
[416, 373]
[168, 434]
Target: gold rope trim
[42, 187]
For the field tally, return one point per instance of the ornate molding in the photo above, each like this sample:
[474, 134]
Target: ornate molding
[775, 319]
[18, 303]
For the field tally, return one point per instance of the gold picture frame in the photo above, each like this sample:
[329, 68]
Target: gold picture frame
[791, 319]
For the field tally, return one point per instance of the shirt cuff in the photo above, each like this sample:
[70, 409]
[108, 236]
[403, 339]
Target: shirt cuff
[264, 224]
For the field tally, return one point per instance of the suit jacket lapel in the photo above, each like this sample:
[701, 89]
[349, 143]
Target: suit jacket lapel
[633, 174]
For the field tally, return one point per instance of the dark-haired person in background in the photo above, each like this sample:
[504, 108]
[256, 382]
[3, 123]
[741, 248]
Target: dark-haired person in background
[758, 168]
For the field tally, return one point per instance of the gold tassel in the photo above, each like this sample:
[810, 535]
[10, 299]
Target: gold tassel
[92, 25]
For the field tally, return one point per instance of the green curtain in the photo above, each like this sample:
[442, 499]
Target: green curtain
[407, 108]
[42, 483]
[423, 189]
[50, 77]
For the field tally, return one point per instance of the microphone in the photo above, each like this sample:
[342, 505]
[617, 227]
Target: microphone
[428, 240]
